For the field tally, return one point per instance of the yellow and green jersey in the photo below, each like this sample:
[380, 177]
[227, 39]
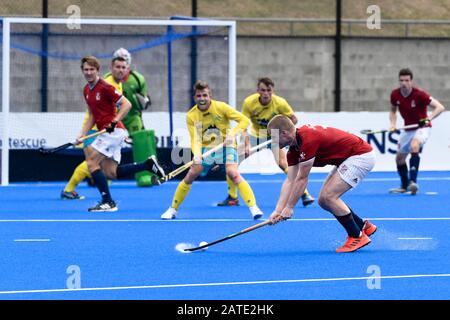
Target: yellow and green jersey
[118, 85]
[260, 115]
[110, 79]
[209, 128]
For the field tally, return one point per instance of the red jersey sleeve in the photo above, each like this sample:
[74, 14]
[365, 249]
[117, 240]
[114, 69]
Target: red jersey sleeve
[113, 95]
[424, 97]
[308, 149]
[292, 157]
[85, 93]
[393, 102]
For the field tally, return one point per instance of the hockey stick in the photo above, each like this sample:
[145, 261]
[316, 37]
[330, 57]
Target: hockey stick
[186, 166]
[368, 131]
[252, 150]
[70, 144]
[259, 146]
[256, 226]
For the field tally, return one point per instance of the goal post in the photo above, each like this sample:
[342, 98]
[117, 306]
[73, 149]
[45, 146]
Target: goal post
[146, 39]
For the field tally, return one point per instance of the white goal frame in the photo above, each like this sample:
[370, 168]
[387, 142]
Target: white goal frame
[132, 22]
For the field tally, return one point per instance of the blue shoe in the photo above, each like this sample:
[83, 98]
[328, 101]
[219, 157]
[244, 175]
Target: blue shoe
[229, 202]
[398, 190]
[72, 195]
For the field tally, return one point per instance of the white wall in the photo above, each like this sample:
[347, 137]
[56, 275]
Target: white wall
[32, 130]
[435, 156]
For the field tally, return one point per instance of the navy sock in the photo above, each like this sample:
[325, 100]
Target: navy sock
[358, 220]
[349, 225]
[131, 168]
[102, 185]
[414, 166]
[403, 173]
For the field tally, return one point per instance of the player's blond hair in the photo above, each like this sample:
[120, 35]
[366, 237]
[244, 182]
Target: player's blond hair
[91, 61]
[280, 122]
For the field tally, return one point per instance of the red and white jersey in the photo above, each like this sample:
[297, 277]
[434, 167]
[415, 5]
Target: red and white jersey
[102, 100]
[413, 107]
[326, 145]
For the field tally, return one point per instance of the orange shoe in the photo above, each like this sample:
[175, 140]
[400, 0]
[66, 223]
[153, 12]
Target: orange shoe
[353, 244]
[369, 228]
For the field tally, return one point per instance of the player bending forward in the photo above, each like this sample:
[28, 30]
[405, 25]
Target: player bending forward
[317, 146]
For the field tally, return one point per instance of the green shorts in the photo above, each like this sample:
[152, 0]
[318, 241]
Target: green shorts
[133, 124]
[223, 156]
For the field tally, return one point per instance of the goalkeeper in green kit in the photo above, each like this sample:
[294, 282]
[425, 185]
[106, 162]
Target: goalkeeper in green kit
[135, 90]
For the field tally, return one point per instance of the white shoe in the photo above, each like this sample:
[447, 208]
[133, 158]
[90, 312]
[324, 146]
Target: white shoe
[413, 187]
[170, 214]
[256, 212]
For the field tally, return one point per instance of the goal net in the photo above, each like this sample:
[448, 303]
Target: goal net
[42, 103]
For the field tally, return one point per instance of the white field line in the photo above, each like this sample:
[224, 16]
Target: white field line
[215, 284]
[31, 240]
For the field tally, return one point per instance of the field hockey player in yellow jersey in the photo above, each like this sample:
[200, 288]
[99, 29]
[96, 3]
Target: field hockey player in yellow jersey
[260, 108]
[208, 123]
[118, 70]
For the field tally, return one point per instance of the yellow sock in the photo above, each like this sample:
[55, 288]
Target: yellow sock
[181, 193]
[81, 172]
[232, 188]
[246, 193]
[306, 193]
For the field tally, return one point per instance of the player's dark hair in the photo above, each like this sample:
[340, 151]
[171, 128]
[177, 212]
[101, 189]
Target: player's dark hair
[405, 72]
[121, 59]
[267, 81]
[92, 61]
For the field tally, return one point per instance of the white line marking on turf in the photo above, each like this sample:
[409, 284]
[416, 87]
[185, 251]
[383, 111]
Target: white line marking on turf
[31, 240]
[415, 238]
[431, 193]
[216, 220]
[211, 284]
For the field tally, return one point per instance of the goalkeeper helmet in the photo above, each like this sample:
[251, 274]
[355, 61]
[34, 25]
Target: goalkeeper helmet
[122, 52]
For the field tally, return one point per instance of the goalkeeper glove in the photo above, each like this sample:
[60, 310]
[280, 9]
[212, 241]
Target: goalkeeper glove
[144, 101]
[111, 127]
[424, 123]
